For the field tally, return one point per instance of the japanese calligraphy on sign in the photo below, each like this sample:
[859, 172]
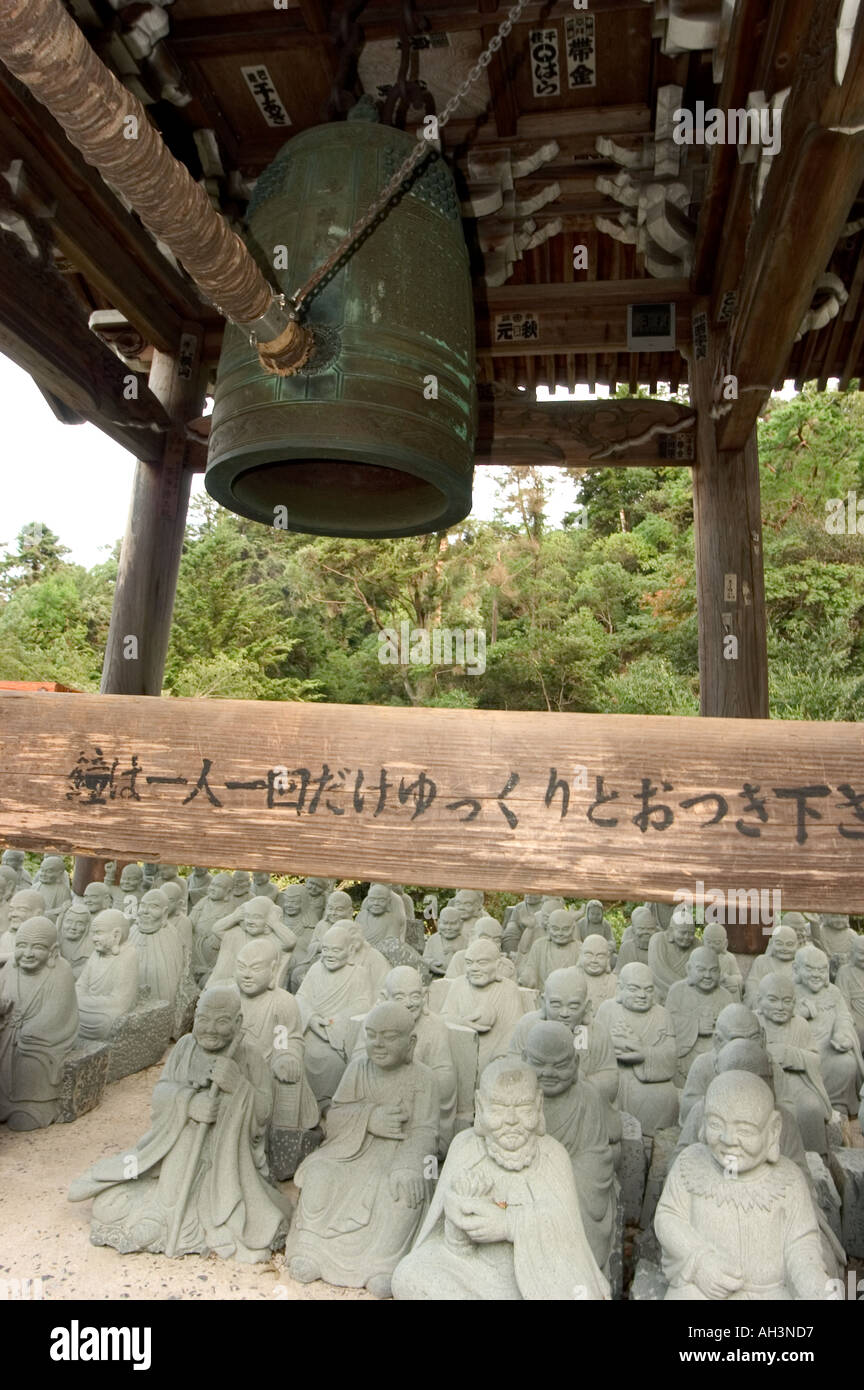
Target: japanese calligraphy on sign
[261, 85]
[581, 52]
[518, 327]
[545, 71]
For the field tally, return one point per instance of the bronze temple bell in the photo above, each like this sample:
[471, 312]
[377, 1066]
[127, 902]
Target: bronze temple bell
[375, 436]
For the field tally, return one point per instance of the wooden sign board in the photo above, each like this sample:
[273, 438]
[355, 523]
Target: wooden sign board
[612, 806]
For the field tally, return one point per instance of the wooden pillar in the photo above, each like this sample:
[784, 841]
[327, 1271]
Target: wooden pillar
[143, 604]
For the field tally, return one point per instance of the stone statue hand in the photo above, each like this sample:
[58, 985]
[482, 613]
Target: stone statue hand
[715, 1279]
[407, 1186]
[484, 1221]
[226, 1074]
[319, 1027]
[387, 1121]
[841, 1043]
[286, 1068]
[204, 1108]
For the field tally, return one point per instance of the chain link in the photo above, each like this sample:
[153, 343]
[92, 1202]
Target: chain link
[422, 149]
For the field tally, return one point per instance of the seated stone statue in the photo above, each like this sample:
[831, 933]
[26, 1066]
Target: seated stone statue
[127, 894]
[170, 873]
[592, 922]
[363, 1193]
[262, 886]
[52, 881]
[272, 1025]
[484, 1000]
[669, 951]
[38, 1026]
[26, 903]
[160, 954]
[548, 905]
[209, 910]
[504, 1222]
[491, 930]
[693, 1006]
[520, 917]
[76, 936]
[196, 885]
[338, 908]
[96, 898]
[636, 939]
[14, 860]
[754, 1237]
[317, 890]
[792, 1046]
[595, 960]
[197, 1181]
[8, 885]
[565, 1000]
[107, 987]
[850, 982]
[837, 938]
[334, 990]
[370, 960]
[557, 950]
[468, 902]
[404, 986]
[382, 915]
[241, 887]
[258, 917]
[576, 1116]
[714, 936]
[644, 1044]
[442, 945]
[834, 1033]
[777, 959]
[734, 1022]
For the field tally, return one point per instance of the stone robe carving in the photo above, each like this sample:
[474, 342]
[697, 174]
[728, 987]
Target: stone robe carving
[160, 953]
[107, 987]
[275, 1015]
[38, 1027]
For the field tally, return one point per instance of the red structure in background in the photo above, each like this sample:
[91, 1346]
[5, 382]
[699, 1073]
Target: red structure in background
[40, 685]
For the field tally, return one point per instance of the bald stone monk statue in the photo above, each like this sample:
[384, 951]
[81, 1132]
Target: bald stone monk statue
[484, 1000]
[258, 917]
[522, 916]
[38, 1026]
[777, 959]
[197, 1181]
[160, 953]
[196, 885]
[26, 903]
[592, 922]
[468, 902]
[548, 905]
[272, 1025]
[127, 894]
[565, 1000]
[557, 950]
[636, 938]
[492, 930]
[734, 1022]
[670, 950]
[735, 1219]
[107, 987]
[382, 915]
[333, 991]
[504, 1222]
[76, 938]
[596, 960]
[363, 1193]
[693, 1006]
[442, 945]
[714, 936]
[338, 908]
[576, 1116]
[178, 919]
[241, 887]
[213, 907]
[96, 898]
[850, 982]
[317, 890]
[644, 1044]
[792, 1046]
[824, 1008]
[52, 881]
[375, 966]
[14, 860]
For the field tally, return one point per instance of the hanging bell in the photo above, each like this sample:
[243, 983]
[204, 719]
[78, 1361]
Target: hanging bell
[374, 437]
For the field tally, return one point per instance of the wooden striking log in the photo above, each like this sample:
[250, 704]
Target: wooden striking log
[615, 806]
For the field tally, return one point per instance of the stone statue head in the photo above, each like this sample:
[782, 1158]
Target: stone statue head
[811, 968]
[257, 966]
[782, 943]
[745, 1054]
[404, 986]
[132, 878]
[594, 912]
[547, 907]
[740, 1125]
[776, 998]
[378, 899]
[466, 904]
[482, 963]
[152, 912]
[834, 921]
[644, 926]
[508, 1112]
[565, 997]
[449, 923]
[293, 901]
[199, 872]
[97, 896]
[488, 927]
[219, 888]
[317, 889]
[256, 916]
[26, 903]
[8, 882]
[260, 878]
[737, 1021]
[561, 927]
[595, 958]
[715, 938]
[218, 1016]
[109, 931]
[636, 988]
[174, 893]
[14, 858]
[339, 907]
[799, 924]
[549, 1051]
[241, 883]
[76, 922]
[390, 1035]
[36, 946]
[533, 900]
[682, 928]
[339, 946]
[703, 970]
[52, 869]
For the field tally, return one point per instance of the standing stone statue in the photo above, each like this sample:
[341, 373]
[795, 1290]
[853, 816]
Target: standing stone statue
[714, 936]
[576, 1116]
[522, 916]
[197, 1181]
[595, 959]
[504, 1222]
[636, 938]
[850, 982]
[557, 950]
[76, 936]
[272, 1025]
[837, 938]
[333, 991]
[382, 915]
[490, 930]
[592, 922]
[160, 953]
[262, 887]
[442, 945]
[259, 917]
[14, 859]
[792, 1046]
[777, 959]
[735, 1022]
[548, 905]
[735, 1220]
[197, 885]
[107, 987]
[669, 951]
[484, 1000]
[644, 1044]
[38, 1027]
[26, 903]
[835, 1035]
[52, 881]
[364, 1192]
[693, 1006]
[8, 885]
[565, 1000]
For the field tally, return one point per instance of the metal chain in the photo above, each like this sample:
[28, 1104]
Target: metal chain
[421, 151]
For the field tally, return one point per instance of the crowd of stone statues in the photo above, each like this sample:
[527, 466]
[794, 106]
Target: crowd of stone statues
[469, 1108]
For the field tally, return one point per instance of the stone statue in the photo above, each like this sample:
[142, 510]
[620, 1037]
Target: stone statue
[317, 890]
[177, 918]
[160, 952]
[548, 905]
[272, 1025]
[128, 893]
[491, 930]
[76, 937]
[442, 945]
[382, 915]
[557, 950]
[97, 898]
[565, 1000]
[258, 917]
[364, 1192]
[838, 939]
[8, 885]
[52, 881]
[26, 903]
[714, 936]
[169, 873]
[735, 1022]
[834, 1033]
[484, 1000]
[669, 951]
[209, 910]
[334, 990]
[468, 902]
[595, 959]
[38, 1026]
[806, 932]
[850, 982]
[14, 859]
[338, 908]
[107, 987]
[262, 886]
[522, 916]
[197, 1181]
[644, 1044]
[751, 1236]
[149, 879]
[693, 1006]
[241, 887]
[576, 1116]
[375, 966]
[792, 1046]
[504, 1222]
[636, 938]
[197, 885]
[592, 922]
[778, 959]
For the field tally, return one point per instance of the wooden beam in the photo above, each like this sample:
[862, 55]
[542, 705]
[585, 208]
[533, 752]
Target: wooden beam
[594, 329]
[583, 294]
[586, 434]
[503, 801]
